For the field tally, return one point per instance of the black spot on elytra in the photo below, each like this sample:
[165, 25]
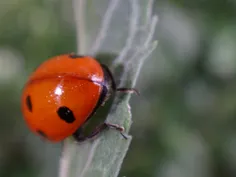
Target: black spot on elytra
[75, 56]
[41, 133]
[29, 103]
[66, 114]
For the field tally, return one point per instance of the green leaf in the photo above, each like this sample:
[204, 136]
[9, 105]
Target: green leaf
[124, 28]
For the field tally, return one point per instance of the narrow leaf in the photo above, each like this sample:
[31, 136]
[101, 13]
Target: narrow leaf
[126, 28]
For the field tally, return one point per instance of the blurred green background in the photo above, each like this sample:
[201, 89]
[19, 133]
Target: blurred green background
[184, 121]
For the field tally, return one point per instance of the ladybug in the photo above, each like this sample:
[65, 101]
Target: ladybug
[63, 93]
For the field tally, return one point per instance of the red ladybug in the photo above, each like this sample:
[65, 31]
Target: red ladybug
[63, 93]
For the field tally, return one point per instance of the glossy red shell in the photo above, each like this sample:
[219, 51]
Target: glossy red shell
[65, 80]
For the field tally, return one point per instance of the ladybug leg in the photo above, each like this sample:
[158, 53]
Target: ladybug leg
[118, 128]
[128, 90]
[80, 137]
[113, 83]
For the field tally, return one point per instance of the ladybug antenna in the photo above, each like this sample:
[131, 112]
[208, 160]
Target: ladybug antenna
[128, 90]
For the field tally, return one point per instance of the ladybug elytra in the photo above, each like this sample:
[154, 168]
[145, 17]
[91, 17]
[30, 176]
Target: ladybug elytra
[63, 93]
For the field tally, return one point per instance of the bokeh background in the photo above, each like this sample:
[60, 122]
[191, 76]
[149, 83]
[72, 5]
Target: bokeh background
[184, 121]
